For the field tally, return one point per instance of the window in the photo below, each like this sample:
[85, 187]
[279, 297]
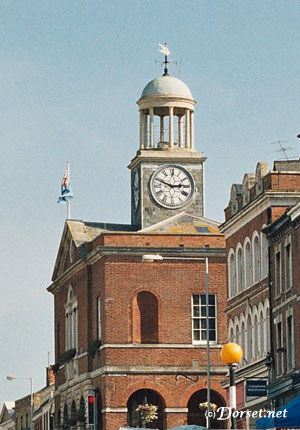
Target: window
[145, 318]
[280, 349]
[98, 318]
[264, 255]
[231, 275]
[256, 337]
[239, 265]
[248, 265]
[71, 320]
[278, 272]
[249, 339]
[200, 318]
[26, 421]
[288, 267]
[290, 342]
[262, 333]
[256, 259]
[243, 339]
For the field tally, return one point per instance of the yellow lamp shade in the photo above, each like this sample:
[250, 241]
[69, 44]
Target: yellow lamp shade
[231, 353]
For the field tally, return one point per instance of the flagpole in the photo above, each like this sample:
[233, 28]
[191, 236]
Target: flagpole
[68, 200]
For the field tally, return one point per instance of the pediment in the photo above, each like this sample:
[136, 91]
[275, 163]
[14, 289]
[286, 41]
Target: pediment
[71, 247]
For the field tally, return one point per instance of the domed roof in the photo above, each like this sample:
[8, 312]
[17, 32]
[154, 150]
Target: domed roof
[166, 85]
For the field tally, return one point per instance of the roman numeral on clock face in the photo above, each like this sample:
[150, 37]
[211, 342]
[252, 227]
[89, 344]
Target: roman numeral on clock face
[172, 186]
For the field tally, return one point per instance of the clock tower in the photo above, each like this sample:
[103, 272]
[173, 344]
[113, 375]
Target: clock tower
[167, 171]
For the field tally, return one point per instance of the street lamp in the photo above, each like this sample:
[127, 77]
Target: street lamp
[231, 354]
[150, 258]
[11, 378]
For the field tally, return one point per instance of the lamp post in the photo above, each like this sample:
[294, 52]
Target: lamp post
[11, 378]
[150, 258]
[231, 354]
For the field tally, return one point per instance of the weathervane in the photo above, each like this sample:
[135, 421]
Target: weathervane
[165, 50]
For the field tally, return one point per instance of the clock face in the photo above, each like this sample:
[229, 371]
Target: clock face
[172, 186]
[136, 192]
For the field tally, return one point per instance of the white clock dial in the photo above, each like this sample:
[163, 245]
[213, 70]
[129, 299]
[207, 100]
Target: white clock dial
[172, 186]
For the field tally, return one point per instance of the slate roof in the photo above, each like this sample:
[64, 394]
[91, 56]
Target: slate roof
[184, 223]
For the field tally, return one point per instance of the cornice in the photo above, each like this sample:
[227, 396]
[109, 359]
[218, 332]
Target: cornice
[252, 293]
[64, 277]
[166, 156]
[255, 208]
[102, 251]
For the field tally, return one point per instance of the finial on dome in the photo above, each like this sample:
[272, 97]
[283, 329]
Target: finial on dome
[165, 50]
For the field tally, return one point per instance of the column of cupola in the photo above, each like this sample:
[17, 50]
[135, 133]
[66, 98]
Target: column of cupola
[183, 139]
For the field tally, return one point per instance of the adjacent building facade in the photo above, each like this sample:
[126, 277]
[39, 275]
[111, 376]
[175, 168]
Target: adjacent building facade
[254, 205]
[129, 300]
[284, 242]
[7, 415]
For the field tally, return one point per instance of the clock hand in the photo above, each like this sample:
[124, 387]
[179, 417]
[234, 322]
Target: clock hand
[161, 180]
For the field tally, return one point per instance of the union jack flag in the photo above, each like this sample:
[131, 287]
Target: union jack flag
[65, 189]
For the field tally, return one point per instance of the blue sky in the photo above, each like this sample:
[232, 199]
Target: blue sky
[71, 73]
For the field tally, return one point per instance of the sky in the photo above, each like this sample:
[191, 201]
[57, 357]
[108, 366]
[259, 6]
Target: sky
[71, 73]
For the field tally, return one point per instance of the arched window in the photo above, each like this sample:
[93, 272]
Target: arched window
[264, 256]
[243, 337]
[145, 397]
[239, 270]
[267, 325]
[262, 333]
[145, 318]
[231, 274]
[71, 320]
[256, 257]
[237, 332]
[249, 339]
[196, 415]
[231, 336]
[256, 336]
[248, 264]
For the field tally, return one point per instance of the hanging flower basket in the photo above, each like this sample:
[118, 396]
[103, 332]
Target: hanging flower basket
[147, 413]
[204, 405]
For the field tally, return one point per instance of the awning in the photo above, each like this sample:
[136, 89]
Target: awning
[188, 427]
[291, 418]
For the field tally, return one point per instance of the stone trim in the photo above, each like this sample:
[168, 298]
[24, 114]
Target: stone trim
[259, 205]
[114, 410]
[157, 370]
[159, 346]
[176, 410]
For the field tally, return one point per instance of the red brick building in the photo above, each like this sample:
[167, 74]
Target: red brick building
[134, 332]
[284, 245]
[255, 204]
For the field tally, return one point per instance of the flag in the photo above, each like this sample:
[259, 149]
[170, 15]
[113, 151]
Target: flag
[66, 190]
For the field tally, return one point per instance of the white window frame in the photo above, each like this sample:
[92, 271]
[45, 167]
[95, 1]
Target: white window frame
[256, 257]
[194, 318]
[71, 319]
[248, 263]
[290, 346]
[99, 327]
[240, 275]
[279, 346]
[264, 254]
[278, 271]
[232, 282]
[288, 244]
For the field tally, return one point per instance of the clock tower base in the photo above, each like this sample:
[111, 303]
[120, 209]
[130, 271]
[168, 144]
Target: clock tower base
[145, 211]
